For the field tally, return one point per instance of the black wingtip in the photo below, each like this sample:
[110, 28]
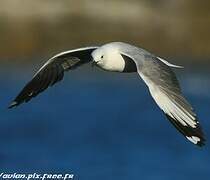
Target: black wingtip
[201, 143]
[13, 104]
[195, 135]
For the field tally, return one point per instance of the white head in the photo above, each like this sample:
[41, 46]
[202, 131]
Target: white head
[109, 58]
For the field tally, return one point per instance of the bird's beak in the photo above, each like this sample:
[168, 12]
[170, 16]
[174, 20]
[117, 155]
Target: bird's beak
[93, 63]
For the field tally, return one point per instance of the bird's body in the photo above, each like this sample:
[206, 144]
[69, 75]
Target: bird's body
[122, 57]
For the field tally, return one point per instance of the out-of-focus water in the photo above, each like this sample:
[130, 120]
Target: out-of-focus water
[100, 125]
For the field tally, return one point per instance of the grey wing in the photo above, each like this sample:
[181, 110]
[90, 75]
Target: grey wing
[52, 72]
[165, 90]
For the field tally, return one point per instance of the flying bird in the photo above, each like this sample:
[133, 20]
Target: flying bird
[125, 58]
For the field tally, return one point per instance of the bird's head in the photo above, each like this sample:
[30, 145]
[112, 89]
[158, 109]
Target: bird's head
[108, 58]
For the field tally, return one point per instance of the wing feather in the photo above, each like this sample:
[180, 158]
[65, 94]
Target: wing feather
[165, 90]
[52, 72]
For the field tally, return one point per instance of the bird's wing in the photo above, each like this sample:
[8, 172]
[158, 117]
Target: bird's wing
[165, 90]
[52, 72]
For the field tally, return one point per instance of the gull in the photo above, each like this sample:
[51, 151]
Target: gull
[124, 58]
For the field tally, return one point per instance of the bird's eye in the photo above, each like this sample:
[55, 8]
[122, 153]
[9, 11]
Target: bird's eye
[102, 57]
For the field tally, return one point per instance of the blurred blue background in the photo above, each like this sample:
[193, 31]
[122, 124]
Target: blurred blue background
[100, 125]
[95, 124]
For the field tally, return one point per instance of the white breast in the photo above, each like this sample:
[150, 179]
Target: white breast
[114, 61]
